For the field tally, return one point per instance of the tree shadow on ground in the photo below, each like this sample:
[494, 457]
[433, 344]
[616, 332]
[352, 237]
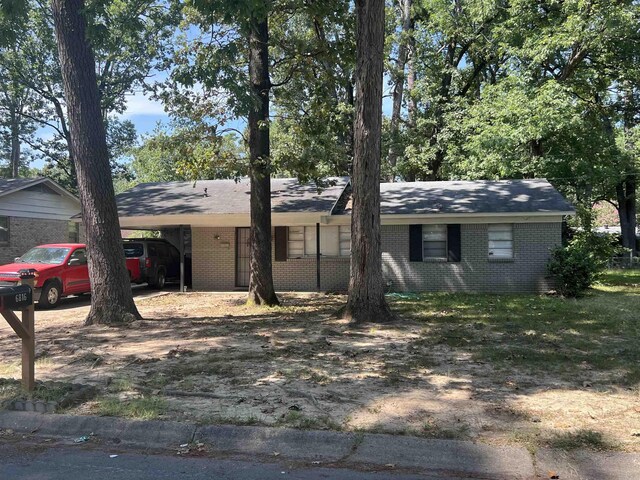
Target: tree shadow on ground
[455, 366]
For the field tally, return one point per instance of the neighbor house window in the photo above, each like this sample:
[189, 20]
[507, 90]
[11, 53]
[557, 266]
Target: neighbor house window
[434, 241]
[334, 241]
[500, 240]
[74, 232]
[4, 230]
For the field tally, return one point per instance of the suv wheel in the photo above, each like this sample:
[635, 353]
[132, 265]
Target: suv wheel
[160, 280]
[50, 295]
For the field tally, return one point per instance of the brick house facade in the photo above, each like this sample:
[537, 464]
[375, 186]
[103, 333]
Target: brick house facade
[26, 233]
[215, 264]
[35, 211]
[435, 236]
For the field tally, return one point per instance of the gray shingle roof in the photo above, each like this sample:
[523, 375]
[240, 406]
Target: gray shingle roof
[225, 197]
[10, 184]
[504, 196]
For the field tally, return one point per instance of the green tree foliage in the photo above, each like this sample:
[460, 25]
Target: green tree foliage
[576, 266]
[313, 121]
[130, 40]
[165, 156]
[453, 52]
[521, 89]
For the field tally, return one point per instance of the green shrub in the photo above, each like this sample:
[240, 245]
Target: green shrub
[577, 265]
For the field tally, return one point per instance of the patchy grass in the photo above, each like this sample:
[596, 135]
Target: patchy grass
[8, 369]
[144, 408]
[620, 281]
[431, 429]
[526, 369]
[540, 334]
[11, 389]
[581, 439]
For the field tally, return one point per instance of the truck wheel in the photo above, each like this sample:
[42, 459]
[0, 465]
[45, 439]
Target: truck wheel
[159, 281]
[50, 295]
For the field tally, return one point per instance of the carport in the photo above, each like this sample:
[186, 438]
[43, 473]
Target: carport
[177, 235]
[216, 213]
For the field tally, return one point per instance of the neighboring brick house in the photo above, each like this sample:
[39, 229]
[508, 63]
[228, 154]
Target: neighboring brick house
[483, 236]
[34, 211]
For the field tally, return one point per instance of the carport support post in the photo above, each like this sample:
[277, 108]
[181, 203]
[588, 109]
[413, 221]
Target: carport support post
[318, 256]
[181, 258]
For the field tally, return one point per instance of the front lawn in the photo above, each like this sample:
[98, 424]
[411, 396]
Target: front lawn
[538, 370]
[592, 339]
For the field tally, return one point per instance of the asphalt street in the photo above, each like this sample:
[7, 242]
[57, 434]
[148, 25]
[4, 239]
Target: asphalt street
[41, 462]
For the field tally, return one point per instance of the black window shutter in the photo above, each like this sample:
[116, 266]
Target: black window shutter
[415, 243]
[454, 244]
[281, 244]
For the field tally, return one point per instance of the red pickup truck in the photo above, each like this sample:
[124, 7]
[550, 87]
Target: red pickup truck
[61, 271]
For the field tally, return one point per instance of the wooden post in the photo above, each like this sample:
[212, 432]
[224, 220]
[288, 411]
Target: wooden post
[181, 244]
[29, 342]
[29, 350]
[24, 329]
[318, 256]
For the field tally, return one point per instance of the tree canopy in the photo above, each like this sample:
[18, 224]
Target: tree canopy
[474, 89]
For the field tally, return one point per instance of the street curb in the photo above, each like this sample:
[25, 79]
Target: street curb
[313, 445]
[149, 434]
[316, 447]
[444, 457]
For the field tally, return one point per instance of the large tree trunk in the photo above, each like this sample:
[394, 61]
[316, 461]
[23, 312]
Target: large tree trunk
[111, 299]
[261, 291]
[15, 142]
[366, 301]
[627, 188]
[398, 88]
[626, 193]
[412, 104]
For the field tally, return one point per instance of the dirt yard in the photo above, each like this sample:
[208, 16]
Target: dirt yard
[539, 371]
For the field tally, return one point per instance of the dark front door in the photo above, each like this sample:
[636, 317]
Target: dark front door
[242, 257]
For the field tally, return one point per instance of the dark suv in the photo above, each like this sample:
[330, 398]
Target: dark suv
[159, 260]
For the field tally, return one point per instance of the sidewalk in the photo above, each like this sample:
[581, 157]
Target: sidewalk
[440, 458]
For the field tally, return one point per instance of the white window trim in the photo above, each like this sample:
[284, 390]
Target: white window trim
[76, 232]
[501, 227]
[446, 243]
[303, 242]
[7, 242]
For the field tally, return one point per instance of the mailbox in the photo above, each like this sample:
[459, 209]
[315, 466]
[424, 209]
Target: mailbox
[20, 297]
[16, 298]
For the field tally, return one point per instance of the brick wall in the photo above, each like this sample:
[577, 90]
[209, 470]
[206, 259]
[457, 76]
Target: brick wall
[214, 263]
[213, 266]
[526, 272]
[301, 274]
[26, 233]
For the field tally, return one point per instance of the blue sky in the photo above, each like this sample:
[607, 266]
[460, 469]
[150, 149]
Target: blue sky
[144, 112]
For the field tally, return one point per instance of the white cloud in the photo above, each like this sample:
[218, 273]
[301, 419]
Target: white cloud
[139, 104]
